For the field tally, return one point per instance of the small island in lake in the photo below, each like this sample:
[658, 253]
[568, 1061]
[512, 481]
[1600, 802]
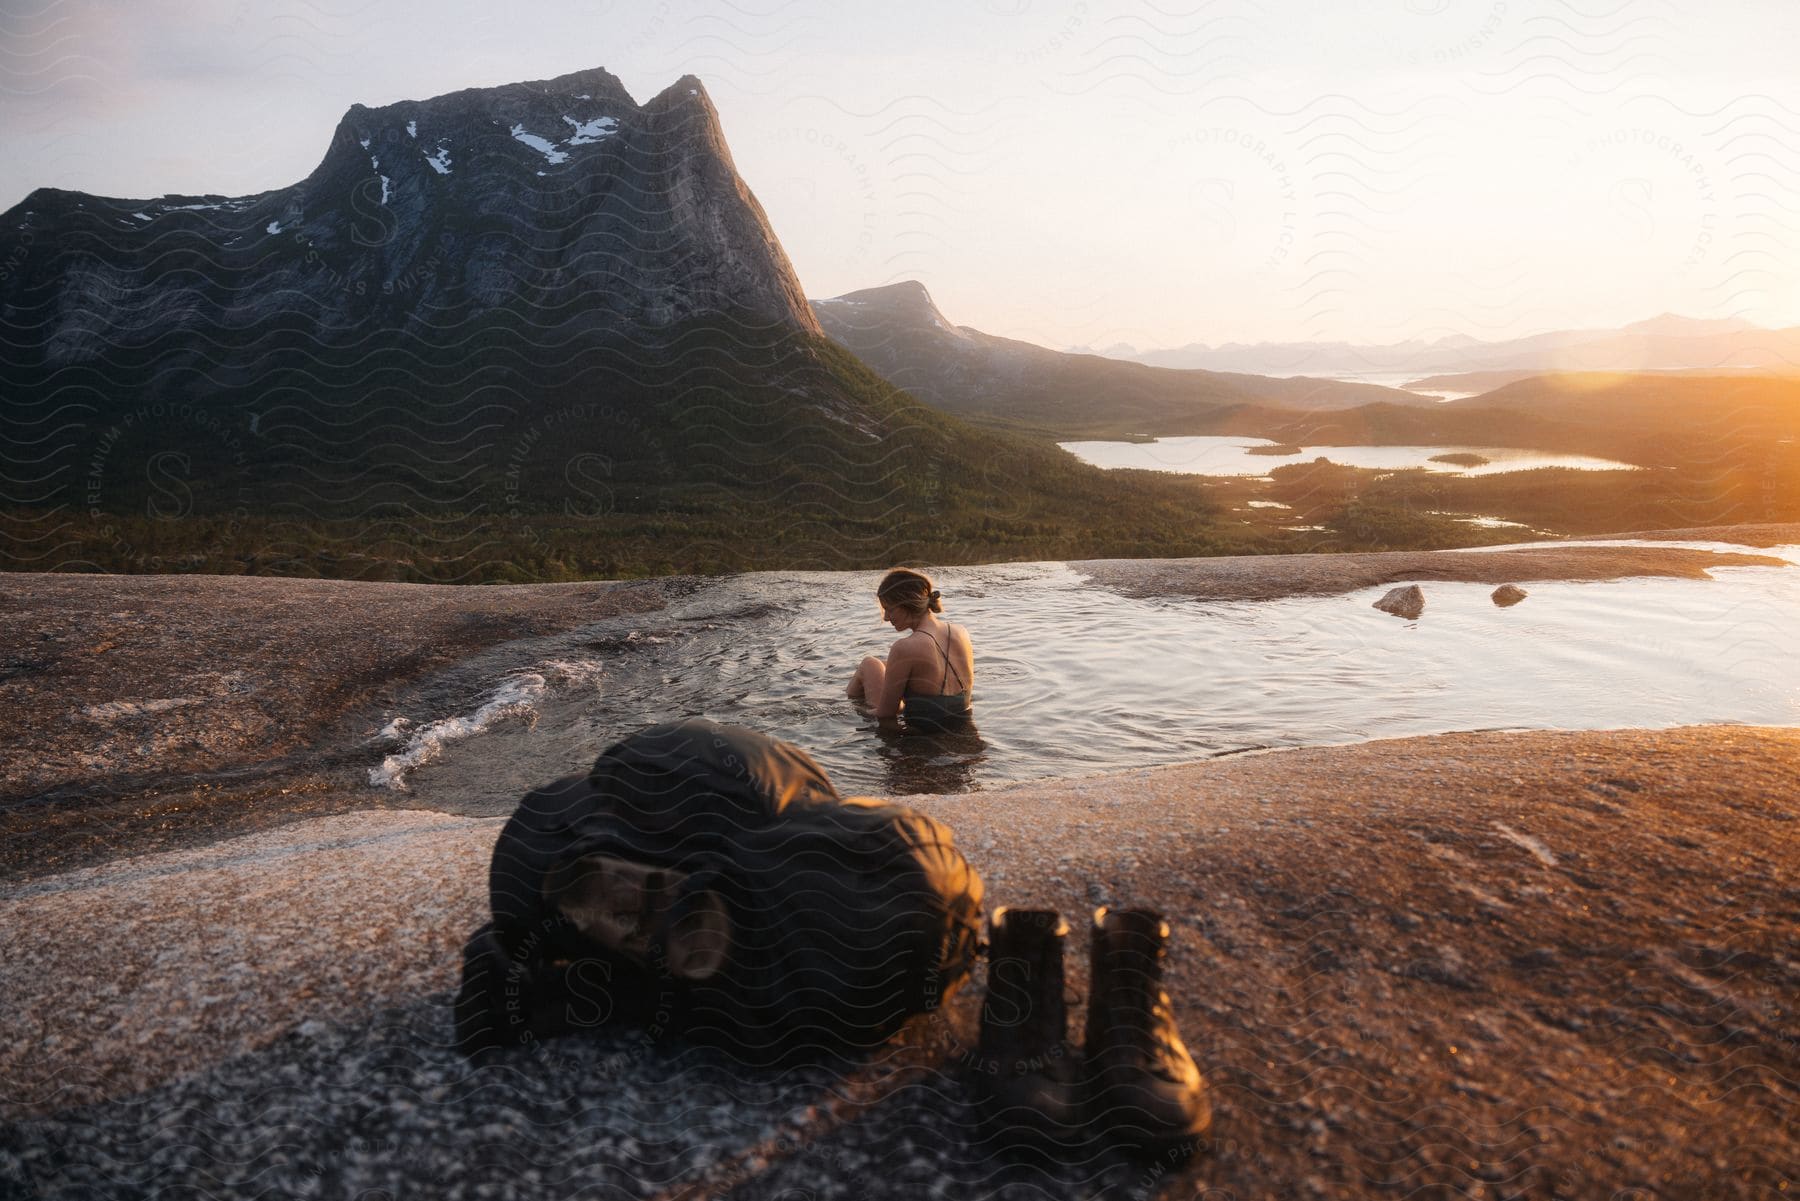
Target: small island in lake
[1461, 459]
[1278, 448]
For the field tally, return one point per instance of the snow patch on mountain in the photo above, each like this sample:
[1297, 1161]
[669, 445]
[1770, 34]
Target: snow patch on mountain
[592, 131]
[543, 146]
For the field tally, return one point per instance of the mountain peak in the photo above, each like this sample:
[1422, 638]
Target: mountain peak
[562, 196]
[549, 116]
[906, 302]
[686, 90]
[594, 83]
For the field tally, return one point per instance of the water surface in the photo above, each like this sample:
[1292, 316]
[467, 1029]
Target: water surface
[1076, 679]
[1400, 380]
[1216, 454]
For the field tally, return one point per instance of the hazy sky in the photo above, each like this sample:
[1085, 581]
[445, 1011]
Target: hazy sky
[1070, 172]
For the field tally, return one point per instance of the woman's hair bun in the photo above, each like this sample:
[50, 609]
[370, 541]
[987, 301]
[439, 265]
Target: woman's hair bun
[907, 589]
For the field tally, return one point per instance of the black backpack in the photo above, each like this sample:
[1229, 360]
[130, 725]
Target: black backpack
[846, 916]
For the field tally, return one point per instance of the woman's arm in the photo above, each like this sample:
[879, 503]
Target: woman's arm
[893, 682]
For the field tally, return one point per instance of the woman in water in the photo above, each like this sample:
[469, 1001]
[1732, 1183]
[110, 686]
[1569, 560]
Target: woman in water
[931, 671]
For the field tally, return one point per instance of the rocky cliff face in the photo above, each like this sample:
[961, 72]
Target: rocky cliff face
[562, 200]
[481, 304]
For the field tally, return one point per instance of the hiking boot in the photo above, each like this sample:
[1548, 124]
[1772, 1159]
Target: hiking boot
[1143, 1088]
[1026, 1079]
[669, 921]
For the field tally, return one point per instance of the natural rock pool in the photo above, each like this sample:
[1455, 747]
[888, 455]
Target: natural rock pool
[1073, 678]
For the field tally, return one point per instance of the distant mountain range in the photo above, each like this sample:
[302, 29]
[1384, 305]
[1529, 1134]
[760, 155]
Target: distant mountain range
[1649, 418]
[898, 330]
[543, 331]
[499, 332]
[1665, 343]
[1738, 429]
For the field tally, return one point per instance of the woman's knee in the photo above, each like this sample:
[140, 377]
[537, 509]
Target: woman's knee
[866, 679]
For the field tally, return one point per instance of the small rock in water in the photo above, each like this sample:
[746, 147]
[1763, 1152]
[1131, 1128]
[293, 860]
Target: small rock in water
[1509, 594]
[1407, 601]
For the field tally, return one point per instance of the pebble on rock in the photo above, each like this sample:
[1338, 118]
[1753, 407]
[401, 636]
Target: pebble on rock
[1407, 601]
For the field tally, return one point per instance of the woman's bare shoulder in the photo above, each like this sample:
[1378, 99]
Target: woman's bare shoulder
[912, 645]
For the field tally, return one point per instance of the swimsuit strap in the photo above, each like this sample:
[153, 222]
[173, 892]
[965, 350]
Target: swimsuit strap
[945, 650]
